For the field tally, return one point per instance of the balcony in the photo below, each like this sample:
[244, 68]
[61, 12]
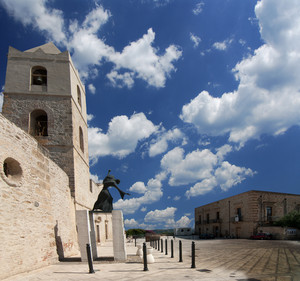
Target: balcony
[236, 218]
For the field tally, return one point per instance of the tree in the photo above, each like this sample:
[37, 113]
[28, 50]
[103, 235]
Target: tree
[135, 232]
[292, 219]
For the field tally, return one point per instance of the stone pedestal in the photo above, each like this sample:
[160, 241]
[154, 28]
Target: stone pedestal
[86, 233]
[119, 238]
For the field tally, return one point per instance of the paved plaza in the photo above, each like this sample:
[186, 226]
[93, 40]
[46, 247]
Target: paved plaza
[232, 259]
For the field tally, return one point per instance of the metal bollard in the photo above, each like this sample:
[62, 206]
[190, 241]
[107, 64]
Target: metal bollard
[162, 246]
[172, 249]
[193, 255]
[180, 251]
[89, 256]
[158, 242]
[134, 241]
[145, 257]
[166, 246]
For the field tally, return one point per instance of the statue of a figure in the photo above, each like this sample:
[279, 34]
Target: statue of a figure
[104, 201]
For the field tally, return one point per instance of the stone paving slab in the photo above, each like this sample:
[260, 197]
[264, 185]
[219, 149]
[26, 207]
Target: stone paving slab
[216, 260]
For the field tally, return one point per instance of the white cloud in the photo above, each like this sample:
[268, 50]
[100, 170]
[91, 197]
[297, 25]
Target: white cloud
[159, 216]
[92, 88]
[160, 145]
[195, 39]
[142, 59]
[139, 59]
[95, 178]
[144, 209]
[176, 198]
[90, 117]
[222, 46]
[121, 138]
[131, 223]
[184, 221]
[36, 14]
[199, 8]
[228, 175]
[203, 168]
[267, 100]
[138, 187]
[194, 166]
[121, 80]
[153, 194]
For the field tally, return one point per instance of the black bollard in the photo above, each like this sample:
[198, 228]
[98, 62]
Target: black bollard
[172, 249]
[193, 255]
[158, 242]
[166, 246]
[145, 257]
[180, 251]
[134, 241]
[162, 246]
[89, 256]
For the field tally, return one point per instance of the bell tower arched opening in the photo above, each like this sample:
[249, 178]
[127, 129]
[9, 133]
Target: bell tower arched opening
[38, 123]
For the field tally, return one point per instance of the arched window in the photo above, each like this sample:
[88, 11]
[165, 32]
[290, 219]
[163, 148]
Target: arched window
[81, 139]
[39, 76]
[38, 123]
[78, 95]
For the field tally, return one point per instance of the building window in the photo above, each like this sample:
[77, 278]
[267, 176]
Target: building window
[81, 139]
[218, 215]
[38, 123]
[200, 219]
[207, 218]
[239, 212]
[269, 213]
[39, 76]
[78, 96]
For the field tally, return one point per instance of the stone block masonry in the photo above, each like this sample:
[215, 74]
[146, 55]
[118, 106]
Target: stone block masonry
[37, 211]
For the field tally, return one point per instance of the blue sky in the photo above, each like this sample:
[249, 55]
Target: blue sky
[188, 101]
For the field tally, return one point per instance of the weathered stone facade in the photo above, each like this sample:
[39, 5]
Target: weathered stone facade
[44, 167]
[244, 214]
[37, 212]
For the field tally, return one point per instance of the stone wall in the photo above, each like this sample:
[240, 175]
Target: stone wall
[37, 212]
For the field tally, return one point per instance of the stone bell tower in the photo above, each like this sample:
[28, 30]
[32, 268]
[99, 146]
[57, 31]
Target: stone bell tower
[44, 96]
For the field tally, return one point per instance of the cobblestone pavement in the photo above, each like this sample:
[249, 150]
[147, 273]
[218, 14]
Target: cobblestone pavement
[226, 260]
[260, 260]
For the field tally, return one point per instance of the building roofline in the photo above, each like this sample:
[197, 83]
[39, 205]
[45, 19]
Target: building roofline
[249, 191]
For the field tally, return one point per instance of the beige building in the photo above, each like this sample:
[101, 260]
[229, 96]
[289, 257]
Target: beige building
[44, 161]
[245, 214]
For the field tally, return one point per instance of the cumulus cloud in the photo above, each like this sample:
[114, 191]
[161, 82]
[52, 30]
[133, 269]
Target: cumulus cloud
[130, 223]
[184, 221]
[222, 46]
[166, 218]
[138, 60]
[92, 88]
[138, 187]
[152, 194]
[199, 8]
[160, 215]
[35, 13]
[203, 168]
[160, 145]
[195, 39]
[194, 166]
[267, 99]
[144, 62]
[121, 138]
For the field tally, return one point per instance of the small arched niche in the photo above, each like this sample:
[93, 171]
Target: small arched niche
[12, 172]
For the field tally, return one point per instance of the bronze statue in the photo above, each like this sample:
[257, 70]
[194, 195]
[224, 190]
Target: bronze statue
[104, 201]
